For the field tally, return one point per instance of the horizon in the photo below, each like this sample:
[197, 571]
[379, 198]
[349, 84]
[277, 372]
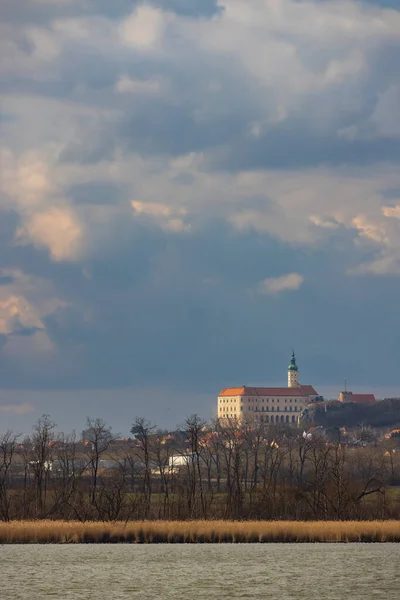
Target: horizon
[86, 404]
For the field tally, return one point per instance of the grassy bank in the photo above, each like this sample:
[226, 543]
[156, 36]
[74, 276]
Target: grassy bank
[198, 532]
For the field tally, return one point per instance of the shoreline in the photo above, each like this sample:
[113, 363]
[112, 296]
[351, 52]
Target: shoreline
[198, 532]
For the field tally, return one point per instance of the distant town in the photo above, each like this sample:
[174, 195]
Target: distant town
[271, 453]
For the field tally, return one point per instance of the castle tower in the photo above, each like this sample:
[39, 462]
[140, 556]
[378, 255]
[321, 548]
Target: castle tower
[293, 373]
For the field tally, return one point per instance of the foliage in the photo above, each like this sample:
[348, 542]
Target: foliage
[385, 413]
[237, 470]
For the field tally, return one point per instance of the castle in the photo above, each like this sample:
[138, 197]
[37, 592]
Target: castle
[267, 405]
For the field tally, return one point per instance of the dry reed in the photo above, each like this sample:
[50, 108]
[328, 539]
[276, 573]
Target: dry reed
[189, 532]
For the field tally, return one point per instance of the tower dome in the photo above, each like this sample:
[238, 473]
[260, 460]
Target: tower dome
[293, 372]
[293, 366]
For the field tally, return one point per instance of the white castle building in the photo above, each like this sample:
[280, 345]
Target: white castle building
[268, 405]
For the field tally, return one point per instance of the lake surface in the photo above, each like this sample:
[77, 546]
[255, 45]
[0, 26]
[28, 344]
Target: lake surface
[181, 571]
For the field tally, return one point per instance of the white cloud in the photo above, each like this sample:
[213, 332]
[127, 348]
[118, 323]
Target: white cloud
[31, 188]
[316, 47]
[143, 28]
[26, 179]
[321, 49]
[56, 229]
[25, 302]
[370, 230]
[276, 285]
[16, 313]
[326, 223]
[168, 217]
[16, 409]
[392, 212]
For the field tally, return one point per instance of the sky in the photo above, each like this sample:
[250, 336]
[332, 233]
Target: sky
[189, 190]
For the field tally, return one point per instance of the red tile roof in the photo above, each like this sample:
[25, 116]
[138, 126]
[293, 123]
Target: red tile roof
[363, 398]
[302, 390]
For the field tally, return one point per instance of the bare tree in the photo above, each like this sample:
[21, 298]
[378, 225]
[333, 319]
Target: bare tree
[97, 437]
[8, 443]
[41, 459]
[142, 430]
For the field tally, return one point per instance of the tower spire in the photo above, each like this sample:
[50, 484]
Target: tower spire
[293, 372]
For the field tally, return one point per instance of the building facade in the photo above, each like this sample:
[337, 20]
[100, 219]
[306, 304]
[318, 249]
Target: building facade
[347, 396]
[267, 405]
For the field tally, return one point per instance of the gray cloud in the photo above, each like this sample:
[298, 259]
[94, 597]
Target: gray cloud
[179, 156]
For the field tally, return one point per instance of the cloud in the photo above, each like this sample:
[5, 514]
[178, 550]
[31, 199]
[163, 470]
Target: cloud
[127, 85]
[263, 131]
[17, 314]
[168, 217]
[276, 285]
[56, 229]
[392, 212]
[143, 28]
[26, 179]
[385, 119]
[370, 230]
[16, 409]
[31, 188]
[328, 223]
[26, 302]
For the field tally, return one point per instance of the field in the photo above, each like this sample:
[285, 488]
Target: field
[161, 532]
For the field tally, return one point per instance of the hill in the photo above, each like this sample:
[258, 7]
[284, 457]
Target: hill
[385, 413]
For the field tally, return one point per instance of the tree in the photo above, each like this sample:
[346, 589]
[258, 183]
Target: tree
[8, 443]
[67, 477]
[194, 428]
[142, 430]
[97, 436]
[42, 438]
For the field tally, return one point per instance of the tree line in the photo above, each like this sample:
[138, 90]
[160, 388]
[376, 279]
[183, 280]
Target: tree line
[236, 470]
[385, 413]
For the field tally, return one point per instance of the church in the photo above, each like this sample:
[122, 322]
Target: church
[267, 404]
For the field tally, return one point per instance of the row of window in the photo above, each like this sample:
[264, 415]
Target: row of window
[267, 409]
[278, 419]
[271, 419]
[235, 409]
[256, 400]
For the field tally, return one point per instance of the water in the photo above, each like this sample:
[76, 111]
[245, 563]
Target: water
[163, 572]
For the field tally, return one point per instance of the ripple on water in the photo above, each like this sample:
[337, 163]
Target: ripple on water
[178, 571]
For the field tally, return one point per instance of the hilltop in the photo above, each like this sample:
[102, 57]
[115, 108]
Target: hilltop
[385, 413]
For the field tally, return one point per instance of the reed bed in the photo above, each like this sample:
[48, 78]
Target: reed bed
[192, 532]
